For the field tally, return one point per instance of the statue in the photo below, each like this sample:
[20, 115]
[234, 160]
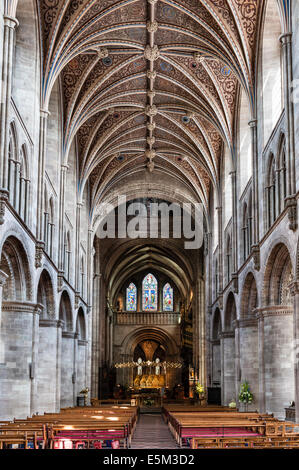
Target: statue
[157, 367]
[139, 367]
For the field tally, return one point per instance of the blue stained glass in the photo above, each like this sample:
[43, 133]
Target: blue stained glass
[132, 298]
[167, 298]
[149, 292]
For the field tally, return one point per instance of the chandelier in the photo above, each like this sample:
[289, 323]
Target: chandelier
[165, 364]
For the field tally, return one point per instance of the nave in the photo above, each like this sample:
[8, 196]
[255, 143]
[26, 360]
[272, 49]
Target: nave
[174, 426]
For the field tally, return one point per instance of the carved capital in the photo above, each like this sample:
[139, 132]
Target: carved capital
[77, 299]
[39, 250]
[152, 2]
[3, 203]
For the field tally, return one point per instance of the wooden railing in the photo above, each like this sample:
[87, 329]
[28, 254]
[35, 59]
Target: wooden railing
[147, 318]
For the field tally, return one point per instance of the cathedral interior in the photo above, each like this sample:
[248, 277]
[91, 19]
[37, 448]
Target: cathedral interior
[123, 104]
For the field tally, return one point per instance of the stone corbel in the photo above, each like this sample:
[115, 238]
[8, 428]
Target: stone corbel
[39, 249]
[3, 203]
[255, 249]
[60, 280]
[235, 280]
[291, 205]
[220, 301]
[77, 299]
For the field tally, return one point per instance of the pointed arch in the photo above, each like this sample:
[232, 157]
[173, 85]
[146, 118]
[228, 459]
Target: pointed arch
[167, 298]
[149, 293]
[131, 298]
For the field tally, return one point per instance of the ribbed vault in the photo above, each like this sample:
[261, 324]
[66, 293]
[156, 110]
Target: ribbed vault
[149, 85]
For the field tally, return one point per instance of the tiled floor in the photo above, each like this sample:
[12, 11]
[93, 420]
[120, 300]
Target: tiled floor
[152, 433]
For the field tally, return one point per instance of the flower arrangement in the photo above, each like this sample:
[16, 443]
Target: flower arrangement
[245, 395]
[199, 389]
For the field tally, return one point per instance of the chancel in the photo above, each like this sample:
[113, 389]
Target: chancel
[149, 253]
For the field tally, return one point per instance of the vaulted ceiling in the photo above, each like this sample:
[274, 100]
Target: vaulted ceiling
[149, 86]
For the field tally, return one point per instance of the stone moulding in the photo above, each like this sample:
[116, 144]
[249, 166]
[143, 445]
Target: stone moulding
[273, 311]
[22, 307]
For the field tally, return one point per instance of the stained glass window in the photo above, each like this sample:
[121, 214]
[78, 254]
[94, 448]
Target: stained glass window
[149, 292]
[132, 298]
[167, 298]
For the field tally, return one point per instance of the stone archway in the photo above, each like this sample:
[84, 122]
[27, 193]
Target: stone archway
[80, 354]
[149, 334]
[18, 320]
[276, 364]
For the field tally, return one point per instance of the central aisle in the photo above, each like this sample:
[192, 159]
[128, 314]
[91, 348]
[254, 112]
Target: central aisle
[152, 433]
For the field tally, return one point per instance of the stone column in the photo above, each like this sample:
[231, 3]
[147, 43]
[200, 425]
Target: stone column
[3, 279]
[277, 370]
[16, 336]
[261, 360]
[249, 361]
[236, 325]
[34, 361]
[234, 267]
[76, 391]
[228, 366]
[6, 86]
[220, 252]
[291, 203]
[67, 370]
[60, 359]
[41, 174]
[294, 289]
[47, 365]
[63, 171]
[255, 195]
[78, 237]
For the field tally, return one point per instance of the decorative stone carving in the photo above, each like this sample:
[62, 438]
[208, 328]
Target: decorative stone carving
[151, 74]
[152, 2]
[198, 57]
[256, 257]
[150, 165]
[151, 94]
[152, 26]
[294, 288]
[3, 202]
[291, 205]
[235, 282]
[150, 140]
[151, 110]
[151, 53]
[190, 115]
[39, 249]
[150, 154]
[151, 126]
[3, 278]
[60, 280]
[102, 52]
